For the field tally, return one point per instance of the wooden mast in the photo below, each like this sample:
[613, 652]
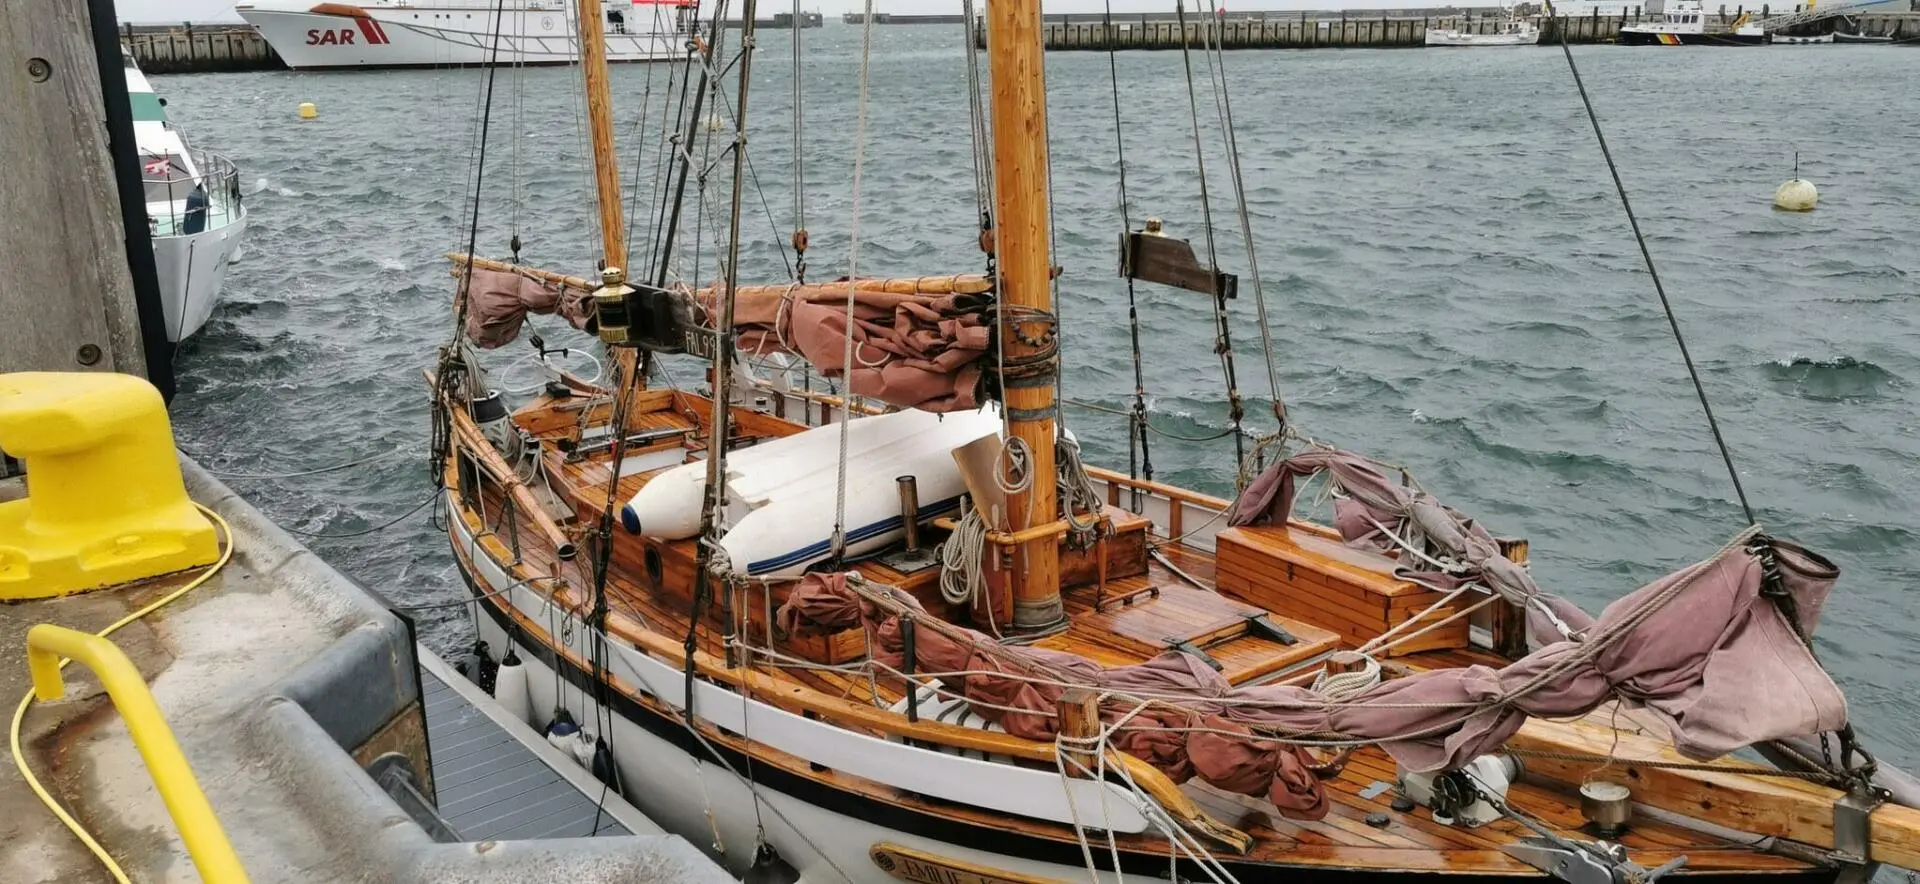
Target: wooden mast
[606, 167]
[1022, 235]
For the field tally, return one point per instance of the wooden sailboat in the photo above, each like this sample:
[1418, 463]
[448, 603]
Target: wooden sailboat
[825, 748]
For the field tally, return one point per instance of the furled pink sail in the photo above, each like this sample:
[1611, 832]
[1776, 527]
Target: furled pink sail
[910, 349]
[1703, 650]
[498, 302]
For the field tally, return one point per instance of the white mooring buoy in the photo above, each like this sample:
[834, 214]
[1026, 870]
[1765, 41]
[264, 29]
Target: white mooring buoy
[1798, 194]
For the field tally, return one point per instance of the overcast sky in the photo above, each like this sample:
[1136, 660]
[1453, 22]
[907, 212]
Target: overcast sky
[155, 11]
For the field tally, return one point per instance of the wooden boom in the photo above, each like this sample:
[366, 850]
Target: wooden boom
[951, 284]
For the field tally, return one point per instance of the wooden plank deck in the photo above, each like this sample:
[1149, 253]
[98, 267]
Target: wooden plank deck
[1126, 634]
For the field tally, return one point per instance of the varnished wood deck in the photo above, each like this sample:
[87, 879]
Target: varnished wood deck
[1120, 634]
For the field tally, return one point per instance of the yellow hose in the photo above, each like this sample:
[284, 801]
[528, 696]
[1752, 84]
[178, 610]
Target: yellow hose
[20, 712]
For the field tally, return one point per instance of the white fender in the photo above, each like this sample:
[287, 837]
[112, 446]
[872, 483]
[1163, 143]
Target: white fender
[510, 689]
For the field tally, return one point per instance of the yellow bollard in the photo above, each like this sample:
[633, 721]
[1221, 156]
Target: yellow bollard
[105, 502]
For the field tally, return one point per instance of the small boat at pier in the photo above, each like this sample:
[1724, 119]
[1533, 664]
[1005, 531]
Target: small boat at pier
[1685, 23]
[195, 211]
[1840, 36]
[1515, 31]
[1809, 40]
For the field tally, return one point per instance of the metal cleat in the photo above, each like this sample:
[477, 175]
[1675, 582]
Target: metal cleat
[1588, 862]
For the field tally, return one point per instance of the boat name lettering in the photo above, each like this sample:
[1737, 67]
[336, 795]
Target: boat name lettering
[330, 37]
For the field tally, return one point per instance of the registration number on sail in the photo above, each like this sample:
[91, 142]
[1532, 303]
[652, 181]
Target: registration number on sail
[921, 867]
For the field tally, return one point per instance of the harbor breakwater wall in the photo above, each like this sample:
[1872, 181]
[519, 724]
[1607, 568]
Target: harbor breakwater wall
[1359, 29]
[189, 48]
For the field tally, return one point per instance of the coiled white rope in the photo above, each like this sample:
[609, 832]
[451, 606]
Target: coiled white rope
[1014, 472]
[1076, 488]
[1341, 685]
[961, 556]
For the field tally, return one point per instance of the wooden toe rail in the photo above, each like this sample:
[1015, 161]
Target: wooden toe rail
[1796, 810]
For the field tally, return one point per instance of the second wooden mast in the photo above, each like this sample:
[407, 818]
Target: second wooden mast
[1023, 244]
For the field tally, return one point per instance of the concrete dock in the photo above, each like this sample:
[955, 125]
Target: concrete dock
[190, 48]
[236, 707]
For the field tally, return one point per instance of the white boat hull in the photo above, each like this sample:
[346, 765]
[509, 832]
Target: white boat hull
[310, 37]
[675, 779]
[679, 789]
[1438, 37]
[192, 267]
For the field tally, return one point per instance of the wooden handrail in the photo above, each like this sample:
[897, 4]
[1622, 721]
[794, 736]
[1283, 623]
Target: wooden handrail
[1171, 492]
[467, 437]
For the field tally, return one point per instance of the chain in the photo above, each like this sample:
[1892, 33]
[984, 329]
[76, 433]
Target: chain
[1815, 776]
[1773, 586]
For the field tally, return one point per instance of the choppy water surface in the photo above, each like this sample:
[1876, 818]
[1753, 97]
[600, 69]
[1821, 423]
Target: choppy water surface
[1451, 281]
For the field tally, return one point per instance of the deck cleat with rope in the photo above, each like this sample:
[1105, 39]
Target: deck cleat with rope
[1588, 862]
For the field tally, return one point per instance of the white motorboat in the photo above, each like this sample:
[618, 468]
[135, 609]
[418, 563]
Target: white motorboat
[195, 213]
[1514, 31]
[1684, 23]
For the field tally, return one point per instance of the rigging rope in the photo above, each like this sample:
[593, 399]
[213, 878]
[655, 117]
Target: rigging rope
[977, 131]
[799, 156]
[450, 356]
[519, 126]
[961, 556]
[1223, 342]
[1224, 108]
[853, 263]
[1653, 272]
[670, 201]
[1081, 403]
[640, 147]
[582, 141]
[668, 151]
[1076, 489]
[1139, 454]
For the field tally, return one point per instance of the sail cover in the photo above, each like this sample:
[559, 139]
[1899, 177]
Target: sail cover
[498, 302]
[917, 343]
